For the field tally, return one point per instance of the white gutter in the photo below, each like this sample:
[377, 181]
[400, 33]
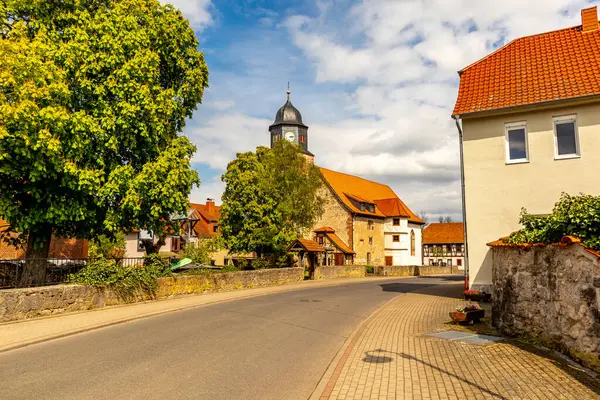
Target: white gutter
[464, 207]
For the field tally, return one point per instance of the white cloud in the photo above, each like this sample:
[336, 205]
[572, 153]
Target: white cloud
[222, 136]
[387, 74]
[196, 11]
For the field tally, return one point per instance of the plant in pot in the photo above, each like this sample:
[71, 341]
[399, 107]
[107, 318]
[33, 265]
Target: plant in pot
[468, 313]
[476, 295]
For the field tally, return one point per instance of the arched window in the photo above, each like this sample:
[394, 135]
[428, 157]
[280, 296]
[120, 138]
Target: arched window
[412, 243]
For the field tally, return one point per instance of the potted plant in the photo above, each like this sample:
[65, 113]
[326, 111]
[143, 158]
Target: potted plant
[468, 313]
[476, 295]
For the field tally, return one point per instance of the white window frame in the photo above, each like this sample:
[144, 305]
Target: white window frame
[563, 119]
[513, 126]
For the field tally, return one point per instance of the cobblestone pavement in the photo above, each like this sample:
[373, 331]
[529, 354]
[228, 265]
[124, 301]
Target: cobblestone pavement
[389, 357]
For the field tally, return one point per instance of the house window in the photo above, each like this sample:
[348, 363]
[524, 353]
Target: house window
[396, 238]
[370, 225]
[216, 228]
[459, 262]
[396, 221]
[370, 239]
[412, 243]
[320, 239]
[449, 263]
[431, 261]
[566, 139]
[302, 139]
[462, 249]
[516, 143]
[368, 258]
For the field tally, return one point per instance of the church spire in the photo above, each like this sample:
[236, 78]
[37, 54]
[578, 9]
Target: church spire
[288, 91]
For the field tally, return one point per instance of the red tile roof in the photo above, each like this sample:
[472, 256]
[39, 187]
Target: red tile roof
[308, 245]
[394, 207]
[208, 216]
[348, 187]
[324, 229]
[212, 213]
[441, 233]
[339, 243]
[565, 241]
[550, 66]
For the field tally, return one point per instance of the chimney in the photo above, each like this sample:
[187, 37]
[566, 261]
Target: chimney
[210, 205]
[589, 19]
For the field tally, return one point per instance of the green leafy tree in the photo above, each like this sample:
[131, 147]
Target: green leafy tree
[93, 94]
[577, 216]
[270, 197]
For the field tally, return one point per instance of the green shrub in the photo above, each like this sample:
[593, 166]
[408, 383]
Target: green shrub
[107, 247]
[126, 281]
[572, 216]
[200, 253]
[370, 269]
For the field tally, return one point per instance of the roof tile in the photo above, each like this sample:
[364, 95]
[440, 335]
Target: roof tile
[440, 233]
[556, 65]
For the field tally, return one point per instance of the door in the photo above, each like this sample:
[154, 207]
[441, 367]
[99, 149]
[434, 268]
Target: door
[389, 261]
[339, 258]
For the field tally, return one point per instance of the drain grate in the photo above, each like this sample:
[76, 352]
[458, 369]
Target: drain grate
[466, 337]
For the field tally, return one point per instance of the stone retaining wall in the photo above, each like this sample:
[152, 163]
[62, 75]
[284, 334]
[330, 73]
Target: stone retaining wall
[345, 271]
[549, 293]
[18, 304]
[425, 270]
[414, 270]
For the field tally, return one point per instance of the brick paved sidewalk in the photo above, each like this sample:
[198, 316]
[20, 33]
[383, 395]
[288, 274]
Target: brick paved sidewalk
[389, 357]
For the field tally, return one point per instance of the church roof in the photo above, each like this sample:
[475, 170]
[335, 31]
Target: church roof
[288, 114]
[349, 189]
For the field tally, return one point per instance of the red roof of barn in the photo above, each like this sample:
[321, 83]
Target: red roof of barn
[541, 68]
[447, 232]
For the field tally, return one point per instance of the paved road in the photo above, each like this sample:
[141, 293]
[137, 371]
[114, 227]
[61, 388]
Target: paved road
[270, 347]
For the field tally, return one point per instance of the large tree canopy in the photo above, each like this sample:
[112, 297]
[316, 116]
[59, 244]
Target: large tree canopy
[92, 96]
[270, 198]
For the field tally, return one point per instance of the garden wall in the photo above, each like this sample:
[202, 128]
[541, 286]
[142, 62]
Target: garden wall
[550, 293]
[345, 271]
[414, 270]
[34, 302]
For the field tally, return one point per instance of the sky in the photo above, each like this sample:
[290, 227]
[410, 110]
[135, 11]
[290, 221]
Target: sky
[375, 81]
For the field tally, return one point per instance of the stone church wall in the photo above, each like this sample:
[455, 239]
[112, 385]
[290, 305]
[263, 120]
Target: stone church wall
[362, 246]
[335, 216]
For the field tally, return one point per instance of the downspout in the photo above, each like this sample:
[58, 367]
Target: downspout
[464, 207]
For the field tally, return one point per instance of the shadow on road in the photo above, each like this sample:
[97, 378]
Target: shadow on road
[447, 278]
[445, 290]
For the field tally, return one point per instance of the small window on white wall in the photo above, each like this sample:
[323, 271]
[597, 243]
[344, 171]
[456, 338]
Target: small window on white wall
[516, 143]
[566, 139]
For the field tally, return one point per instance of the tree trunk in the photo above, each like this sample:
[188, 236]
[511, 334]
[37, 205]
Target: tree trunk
[154, 248]
[36, 255]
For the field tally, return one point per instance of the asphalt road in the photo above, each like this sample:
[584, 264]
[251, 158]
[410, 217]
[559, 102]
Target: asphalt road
[269, 347]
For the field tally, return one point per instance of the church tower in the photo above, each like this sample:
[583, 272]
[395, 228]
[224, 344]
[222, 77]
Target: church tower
[288, 126]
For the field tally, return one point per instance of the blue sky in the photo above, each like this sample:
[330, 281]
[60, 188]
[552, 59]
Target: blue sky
[375, 81]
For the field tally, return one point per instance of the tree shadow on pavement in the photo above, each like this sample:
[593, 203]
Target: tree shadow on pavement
[380, 356]
[585, 377]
